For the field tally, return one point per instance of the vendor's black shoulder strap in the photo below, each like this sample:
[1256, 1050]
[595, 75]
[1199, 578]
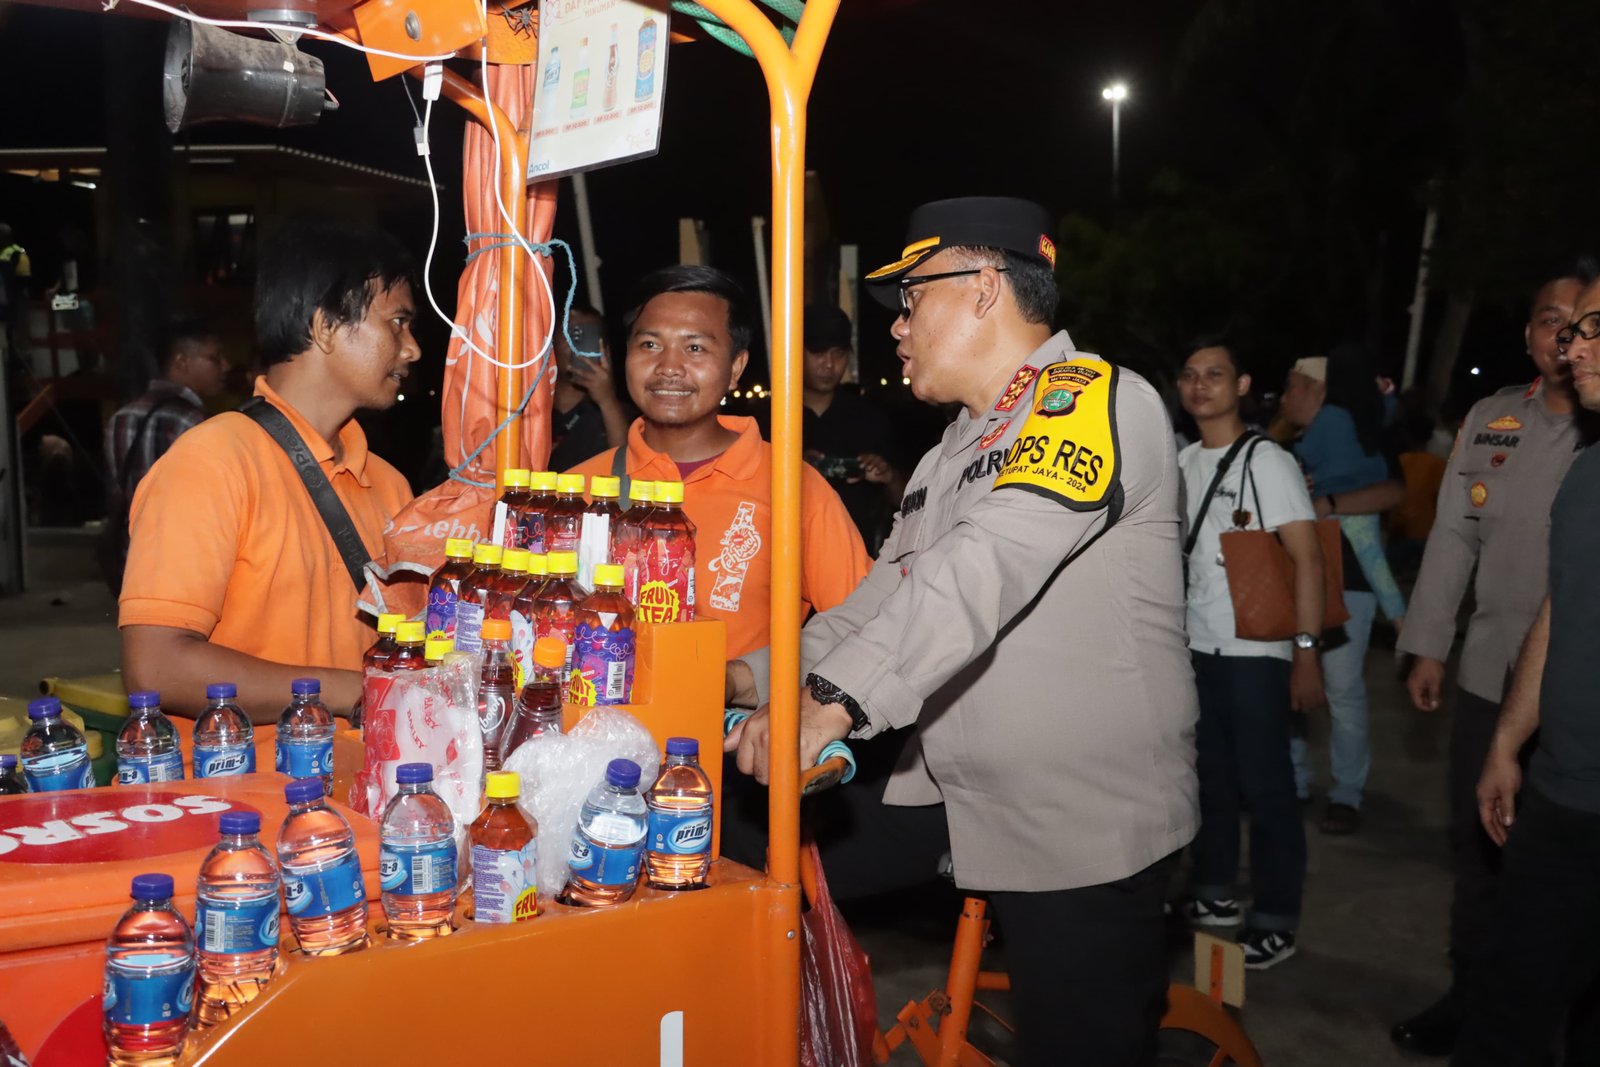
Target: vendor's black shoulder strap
[619, 470]
[334, 516]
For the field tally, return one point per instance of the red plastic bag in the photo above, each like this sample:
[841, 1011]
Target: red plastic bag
[838, 1007]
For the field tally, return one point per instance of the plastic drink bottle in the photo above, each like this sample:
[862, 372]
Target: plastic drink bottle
[644, 79]
[523, 616]
[600, 520]
[563, 525]
[322, 887]
[678, 848]
[666, 564]
[513, 578]
[417, 861]
[378, 655]
[497, 689]
[603, 643]
[476, 590]
[147, 744]
[539, 700]
[149, 986]
[436, 649]
[515, 497]
[609, 844]
[411, 648]
[608, 98]
[542, 484]
[224, 737]
[444, 588]
[580, 80]
[552, 72]
[556, 608]
[11, 783]
[235, 919]
[627, 538]
[505, 852]
[54, 753]
[305, 735]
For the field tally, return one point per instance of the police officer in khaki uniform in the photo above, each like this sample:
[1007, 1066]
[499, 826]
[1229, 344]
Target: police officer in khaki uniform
[1027, 616]
[1494, 514]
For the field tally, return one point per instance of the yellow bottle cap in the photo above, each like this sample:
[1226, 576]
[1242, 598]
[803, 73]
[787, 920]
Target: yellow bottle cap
[437, 648]
[458, 548]
[604, 488]
[570, 483]
[410, 633]
[642, 492]
[388, 621]
[563, 563]
[608, 574]
[538, 565]
[516, 478]
[669, 492]
[515, 560]
[496, 629]
[489, 554]
[550, 652]
[543, 481]
[502, 785]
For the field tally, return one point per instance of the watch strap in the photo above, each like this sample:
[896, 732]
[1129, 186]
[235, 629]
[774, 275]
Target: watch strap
[825, 692]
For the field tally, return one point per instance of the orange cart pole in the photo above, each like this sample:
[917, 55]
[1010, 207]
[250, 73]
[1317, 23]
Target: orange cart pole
[789, 75]
[508, 326]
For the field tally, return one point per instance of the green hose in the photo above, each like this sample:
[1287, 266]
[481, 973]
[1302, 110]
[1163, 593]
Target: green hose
[707, 20]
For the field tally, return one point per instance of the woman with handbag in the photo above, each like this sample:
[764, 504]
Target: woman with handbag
[1235, 481]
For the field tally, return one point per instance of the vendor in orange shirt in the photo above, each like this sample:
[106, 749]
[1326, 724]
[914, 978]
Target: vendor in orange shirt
[688, 342]
[232, 574]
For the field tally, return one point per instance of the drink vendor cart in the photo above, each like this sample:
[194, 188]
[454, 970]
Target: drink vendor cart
[709, 977]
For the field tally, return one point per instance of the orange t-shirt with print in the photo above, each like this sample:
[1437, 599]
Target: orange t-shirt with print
[227, 543]
[729, 500]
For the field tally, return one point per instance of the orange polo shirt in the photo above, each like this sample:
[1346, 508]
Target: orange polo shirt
[226, 541]
[727, 499]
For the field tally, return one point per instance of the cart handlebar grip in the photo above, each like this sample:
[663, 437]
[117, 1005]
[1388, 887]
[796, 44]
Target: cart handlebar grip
[836, 764]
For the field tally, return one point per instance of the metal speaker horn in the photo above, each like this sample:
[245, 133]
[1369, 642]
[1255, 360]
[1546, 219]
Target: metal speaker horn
[212, 75]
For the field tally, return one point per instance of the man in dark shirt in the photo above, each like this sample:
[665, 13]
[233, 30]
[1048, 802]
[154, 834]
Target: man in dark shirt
[142, 430]
[1544, 949]
[845, 437]
[588, 416]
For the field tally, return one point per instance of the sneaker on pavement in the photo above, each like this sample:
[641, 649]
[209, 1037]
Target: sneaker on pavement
[1265, 948]
[1211, 912]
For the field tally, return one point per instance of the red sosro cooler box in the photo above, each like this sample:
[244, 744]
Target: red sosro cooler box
[66, 860]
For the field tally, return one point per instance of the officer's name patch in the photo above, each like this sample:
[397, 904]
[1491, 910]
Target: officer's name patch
[1067, 448]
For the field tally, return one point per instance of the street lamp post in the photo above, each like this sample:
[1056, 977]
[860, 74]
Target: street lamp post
[1116, 93]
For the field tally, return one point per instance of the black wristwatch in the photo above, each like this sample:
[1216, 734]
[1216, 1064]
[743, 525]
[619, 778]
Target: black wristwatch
[1307, 641]
[825, 692]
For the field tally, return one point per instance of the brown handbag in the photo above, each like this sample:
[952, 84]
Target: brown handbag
[1261, 575]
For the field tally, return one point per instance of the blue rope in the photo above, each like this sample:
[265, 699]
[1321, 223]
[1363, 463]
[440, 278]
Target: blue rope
[545, 248]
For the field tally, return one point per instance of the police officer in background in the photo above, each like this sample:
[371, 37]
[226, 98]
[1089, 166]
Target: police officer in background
[1494, 514]
[1026, 614]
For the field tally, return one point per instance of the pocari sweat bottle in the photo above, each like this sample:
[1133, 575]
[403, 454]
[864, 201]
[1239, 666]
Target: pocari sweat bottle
[417, 862]
[224, 739]
[322, 887]
[55, 754]
[149, 982]
[305, 735]
[147, 745]
[609, 845]
[235, 919]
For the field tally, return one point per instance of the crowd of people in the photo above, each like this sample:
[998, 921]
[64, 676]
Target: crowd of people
[1046, 636]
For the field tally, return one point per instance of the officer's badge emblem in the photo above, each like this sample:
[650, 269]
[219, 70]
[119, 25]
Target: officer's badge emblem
[1479, 494]
[1506, 423]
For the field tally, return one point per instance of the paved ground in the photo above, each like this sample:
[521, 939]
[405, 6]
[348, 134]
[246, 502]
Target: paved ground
[1373, 934]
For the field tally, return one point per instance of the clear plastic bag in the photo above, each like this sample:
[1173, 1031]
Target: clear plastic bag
[428, 716]
[559, 770]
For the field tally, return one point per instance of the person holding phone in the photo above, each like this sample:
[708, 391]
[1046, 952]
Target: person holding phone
[588, 416]
[846, 437]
